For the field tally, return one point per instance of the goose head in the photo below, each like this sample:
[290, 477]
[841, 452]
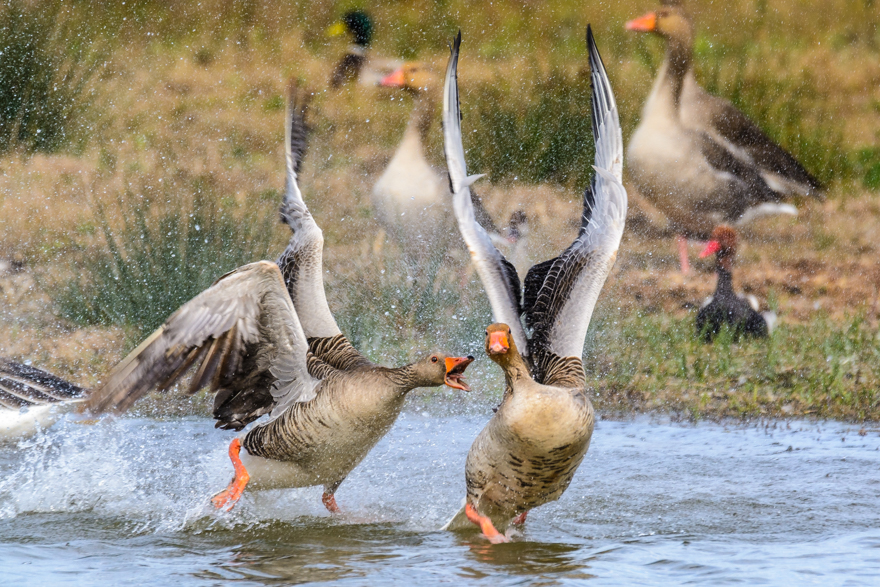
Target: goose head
[669, 21]
[356, 23]
[441, 369]
[500, 345]
[722, 244]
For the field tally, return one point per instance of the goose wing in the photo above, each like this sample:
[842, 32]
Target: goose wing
[560, 294]
[498, 275]
[248, 339]
[24, 386]
[301, 263]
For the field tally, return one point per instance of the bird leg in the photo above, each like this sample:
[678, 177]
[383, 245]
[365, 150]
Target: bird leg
[520, 519]
[230, 495]
[485, 524]
[329, 501]
[683, 254]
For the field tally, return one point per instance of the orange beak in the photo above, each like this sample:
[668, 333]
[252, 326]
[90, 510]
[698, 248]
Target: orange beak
[643, 24]
[455, 367]
[394, 80]
[712, 247]
[498, 344]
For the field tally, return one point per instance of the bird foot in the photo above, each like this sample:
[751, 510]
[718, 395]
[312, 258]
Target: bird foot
[683, 254]
[329, 501]
[520, 519]
[485, 524]
[227, 498]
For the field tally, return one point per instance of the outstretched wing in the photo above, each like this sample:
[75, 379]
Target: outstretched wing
[497, 273]
[561, 293]
[248, 338]
[24, 386]
[301, 263]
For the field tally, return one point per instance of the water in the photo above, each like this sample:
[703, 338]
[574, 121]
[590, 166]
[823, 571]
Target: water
[125, 502]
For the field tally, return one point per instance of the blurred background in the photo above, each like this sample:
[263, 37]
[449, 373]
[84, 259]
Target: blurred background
[141, 149]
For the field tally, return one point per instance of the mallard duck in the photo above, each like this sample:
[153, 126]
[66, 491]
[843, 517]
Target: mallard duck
[529, 451]
[694, 156]
[357, 64]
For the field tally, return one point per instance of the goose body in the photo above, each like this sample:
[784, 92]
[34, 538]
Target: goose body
[31, 399]
[697, 158]
[531, 448]
[327, 407]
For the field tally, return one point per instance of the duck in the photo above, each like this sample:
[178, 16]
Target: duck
[740, 313]
[356, 65]
[31, 399]
[410, 197]
[530, 449]
[697, 158]
[250, 338]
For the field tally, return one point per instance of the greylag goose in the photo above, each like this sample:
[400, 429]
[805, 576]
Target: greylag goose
[696, 157]
[410, 196]
[529, 451]
[725, 306]
[250, 334]
[356, 64]
[31, 398]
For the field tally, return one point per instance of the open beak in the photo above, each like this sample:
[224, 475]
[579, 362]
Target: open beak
[395, 80]
[712, 247]
[498, 344]
[643, 24]
[337, 29]
[455, 367]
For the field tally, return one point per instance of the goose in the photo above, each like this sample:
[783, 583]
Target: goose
[31, 399]
[696, 157]
[356, 64]
[410, 196]
[250, 334]
[725, 306]
[530, 449]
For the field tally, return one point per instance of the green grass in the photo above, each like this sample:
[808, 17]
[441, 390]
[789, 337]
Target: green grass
[174, 242]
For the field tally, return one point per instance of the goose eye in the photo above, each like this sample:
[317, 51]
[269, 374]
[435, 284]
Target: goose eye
[434, 359]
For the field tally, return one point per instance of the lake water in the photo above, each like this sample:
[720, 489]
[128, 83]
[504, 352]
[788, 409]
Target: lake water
[125, 502]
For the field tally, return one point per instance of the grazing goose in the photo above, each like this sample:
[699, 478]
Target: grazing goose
[529, 451]
[698, 159]
[725, 307]
[356, 64]
[410, 196]
[248, 333]
[31, 398]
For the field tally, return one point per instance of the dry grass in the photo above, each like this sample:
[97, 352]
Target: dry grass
[196, 92]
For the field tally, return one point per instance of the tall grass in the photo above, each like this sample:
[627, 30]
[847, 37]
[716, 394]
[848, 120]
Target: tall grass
[171, 244]
[49, 62]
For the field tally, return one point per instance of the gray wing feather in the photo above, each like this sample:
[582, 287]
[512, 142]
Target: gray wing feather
[497, 274]
[23, 386]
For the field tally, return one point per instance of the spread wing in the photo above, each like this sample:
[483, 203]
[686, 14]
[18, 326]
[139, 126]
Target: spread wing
[561, 293]
[497, 273]
[246, 335]
[25, 386]
[301, 263]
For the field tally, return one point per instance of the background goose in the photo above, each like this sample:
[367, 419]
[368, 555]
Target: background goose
[357, 64]
[740, 313]
[31, 398]
[529, 451]
[327, 409]
[696, 157]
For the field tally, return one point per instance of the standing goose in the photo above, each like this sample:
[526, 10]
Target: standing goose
[31, 398]
[725, 307]
[326, 409]
[357, 65]
[529, 451]
[696, 157]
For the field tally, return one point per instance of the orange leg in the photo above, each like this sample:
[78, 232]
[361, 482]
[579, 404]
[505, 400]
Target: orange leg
[230, 495]
[520, 519]
[683, 254]
[485, 524]
[329, 501]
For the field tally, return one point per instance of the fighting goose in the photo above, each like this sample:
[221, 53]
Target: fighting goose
[31, 398]
[725, 307]
[698, 159]
[529, 451]
[356, 64]
[326, 409]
